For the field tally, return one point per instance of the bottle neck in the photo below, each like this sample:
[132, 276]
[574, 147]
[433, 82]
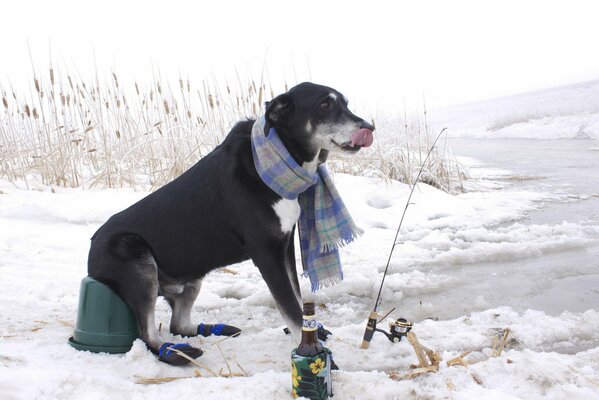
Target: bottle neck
[310, 323]
[309, 328]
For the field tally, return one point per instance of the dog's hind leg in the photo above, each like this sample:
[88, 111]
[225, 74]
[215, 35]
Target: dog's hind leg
[181, 299]
[181, 302]
[125, 263]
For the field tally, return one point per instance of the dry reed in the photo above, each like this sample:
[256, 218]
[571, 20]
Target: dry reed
[75, 133]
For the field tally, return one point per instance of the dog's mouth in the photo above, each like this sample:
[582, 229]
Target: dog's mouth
[348, 146]
[360, 138]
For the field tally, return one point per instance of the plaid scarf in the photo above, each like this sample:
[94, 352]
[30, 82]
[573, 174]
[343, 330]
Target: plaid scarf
[324, 223]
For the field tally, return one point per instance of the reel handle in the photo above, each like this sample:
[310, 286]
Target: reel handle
[370, 328]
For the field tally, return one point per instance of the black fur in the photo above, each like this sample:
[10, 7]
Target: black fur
[217, 213]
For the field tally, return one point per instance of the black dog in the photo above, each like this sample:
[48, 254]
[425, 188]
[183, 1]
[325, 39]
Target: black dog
[218, 213]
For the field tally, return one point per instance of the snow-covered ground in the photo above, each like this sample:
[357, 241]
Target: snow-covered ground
[567, 112]
[467, 267]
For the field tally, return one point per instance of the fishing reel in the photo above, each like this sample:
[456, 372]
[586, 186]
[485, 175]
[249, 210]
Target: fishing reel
[398, 329]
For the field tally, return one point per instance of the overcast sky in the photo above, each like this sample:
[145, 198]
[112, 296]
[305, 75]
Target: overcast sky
[376, 52]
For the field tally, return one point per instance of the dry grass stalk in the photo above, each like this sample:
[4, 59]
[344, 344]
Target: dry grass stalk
[428, 360]
[386, 314]
[422, 360]
[421, 370]
[506, 333]
[181, 354]
[66, 323]
[450, 384]
[158, 380]
[157, 133]
[496, 352]
[233, 375]
[240, 367]
[224, 358]
[229, 271]
[196, 374]
[396, 376]
[225, 338]
[230, 374]
[433, 356]
[459, 360]
[476, 378]
[426, 356]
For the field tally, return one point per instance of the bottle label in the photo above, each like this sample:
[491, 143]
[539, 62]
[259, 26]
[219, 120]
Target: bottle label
[310, 323]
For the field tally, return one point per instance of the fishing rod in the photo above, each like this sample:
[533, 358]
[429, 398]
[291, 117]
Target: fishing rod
[401, 327]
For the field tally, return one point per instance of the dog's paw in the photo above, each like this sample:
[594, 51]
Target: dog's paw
[334, 366]
[169, 356]
[218, 330]
[323, 333]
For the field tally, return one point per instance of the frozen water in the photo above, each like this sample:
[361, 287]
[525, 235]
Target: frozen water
[564, 275]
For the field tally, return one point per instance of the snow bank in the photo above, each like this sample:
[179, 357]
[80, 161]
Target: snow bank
[45, 237]
[568, 112]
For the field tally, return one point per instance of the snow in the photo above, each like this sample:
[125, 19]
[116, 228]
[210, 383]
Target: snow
[518, 250]
[43, 257]
[568, 112]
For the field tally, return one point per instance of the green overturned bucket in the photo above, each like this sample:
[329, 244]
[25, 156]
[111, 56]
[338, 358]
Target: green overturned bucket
[105, 324]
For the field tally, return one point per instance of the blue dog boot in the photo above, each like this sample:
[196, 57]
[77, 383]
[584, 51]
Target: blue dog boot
[218, 330]
[169, 356]
[323, 334]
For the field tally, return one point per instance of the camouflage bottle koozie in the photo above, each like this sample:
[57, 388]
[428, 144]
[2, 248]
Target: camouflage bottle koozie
[311, 376]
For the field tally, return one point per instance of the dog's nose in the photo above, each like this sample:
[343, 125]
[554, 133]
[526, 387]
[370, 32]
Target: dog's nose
[366, 125]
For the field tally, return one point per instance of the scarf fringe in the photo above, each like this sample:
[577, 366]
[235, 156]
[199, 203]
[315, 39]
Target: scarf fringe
[318, 284]
[345, 239]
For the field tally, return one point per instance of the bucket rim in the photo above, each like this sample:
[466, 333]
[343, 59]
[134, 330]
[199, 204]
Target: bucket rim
[99, 349]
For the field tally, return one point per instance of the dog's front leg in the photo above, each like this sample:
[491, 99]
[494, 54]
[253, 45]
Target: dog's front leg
[276, 262]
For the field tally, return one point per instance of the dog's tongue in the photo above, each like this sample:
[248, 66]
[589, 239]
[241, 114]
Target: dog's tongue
[362, 137]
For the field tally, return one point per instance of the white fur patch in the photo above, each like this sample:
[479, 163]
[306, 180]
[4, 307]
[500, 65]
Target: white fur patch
[326, 135]
[288, 212]
[311, 166]
[309, 126]
[333, 96]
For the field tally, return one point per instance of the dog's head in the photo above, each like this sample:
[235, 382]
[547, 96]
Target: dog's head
[310, 118]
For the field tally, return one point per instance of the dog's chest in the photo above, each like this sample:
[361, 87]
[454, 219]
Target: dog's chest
[288, 212]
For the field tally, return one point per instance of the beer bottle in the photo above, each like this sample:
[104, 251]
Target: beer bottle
[310, 345]
[311, 362]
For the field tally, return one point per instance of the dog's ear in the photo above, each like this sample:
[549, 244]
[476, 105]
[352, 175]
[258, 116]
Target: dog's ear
[278, 109]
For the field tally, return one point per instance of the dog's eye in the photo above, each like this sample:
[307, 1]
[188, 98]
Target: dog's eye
[325, 105]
